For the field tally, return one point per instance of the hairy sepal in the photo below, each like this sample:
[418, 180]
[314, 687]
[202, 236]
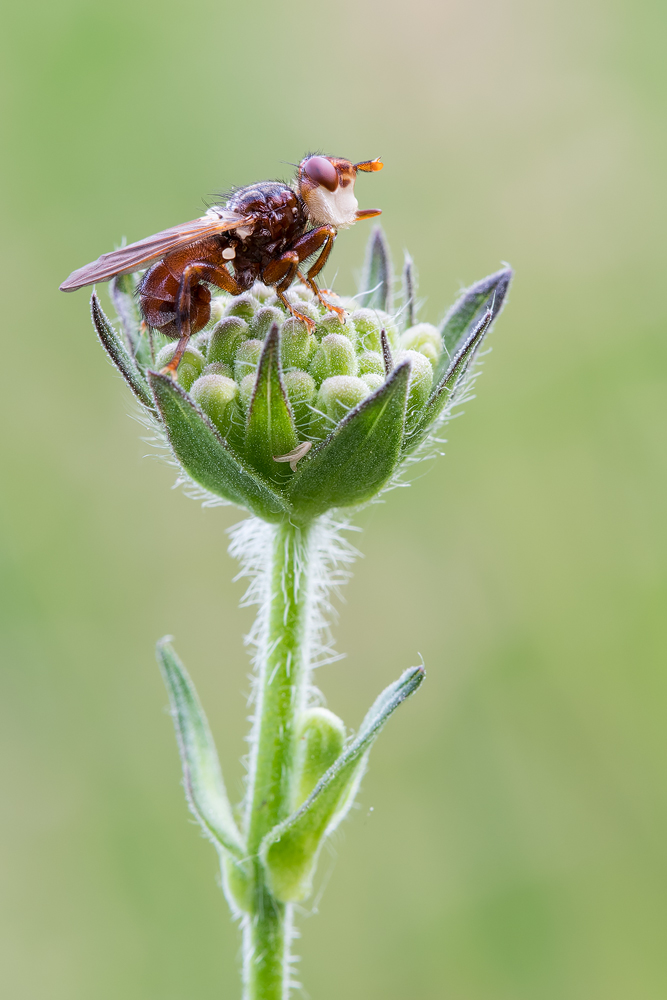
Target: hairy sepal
[290, 851]
[464, 315]
[207, 457]
[270, 428]
[202, 777]
[377, 277]
[118, 353]
[122, 291]
[359, 456]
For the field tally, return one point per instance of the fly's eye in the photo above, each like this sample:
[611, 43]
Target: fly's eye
[322, 171]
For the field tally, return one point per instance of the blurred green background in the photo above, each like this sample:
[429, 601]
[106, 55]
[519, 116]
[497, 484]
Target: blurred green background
[511, 838]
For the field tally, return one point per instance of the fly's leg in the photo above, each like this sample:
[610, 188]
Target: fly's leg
[321, 239]
[192, 274]
[281, 273]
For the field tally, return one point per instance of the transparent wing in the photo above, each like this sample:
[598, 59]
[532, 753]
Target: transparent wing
[136, 255]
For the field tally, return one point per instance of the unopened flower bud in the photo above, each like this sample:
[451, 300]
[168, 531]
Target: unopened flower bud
[225, 339]
[301, 389]
[371, 361]
[218, 305]
[421, 382]
[263, 320]
[190, 367]
[218, 368]
[340, 394]
[368, 327]
[245, 306]
[247, 357]
[331, 323]
[372, 380]
[336, 356]
[320, 737]
[246, 389]
[425, 338]
[216, 395]
[295, 344]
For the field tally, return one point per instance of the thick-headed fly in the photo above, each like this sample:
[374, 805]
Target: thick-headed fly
[264, 232]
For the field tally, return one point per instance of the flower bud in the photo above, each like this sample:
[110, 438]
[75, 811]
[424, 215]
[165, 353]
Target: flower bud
[336, 356]
[247, 357]
[295, 344]
[245, 306]
[372, 380]
[331, 323]
[421, 382]
[301, 389]
[425, 338]
[225, 339]
[340, 394]
[218, 305]
[371, 361]
[190, 367]
[320, 737]
[246, 389]
[218, 368]
[263, 320]
[216, 395]
[367, 326]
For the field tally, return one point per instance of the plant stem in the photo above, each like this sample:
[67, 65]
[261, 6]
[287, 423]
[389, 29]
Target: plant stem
[282, 688]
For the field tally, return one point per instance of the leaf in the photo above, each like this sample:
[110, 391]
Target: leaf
[377, 276]
[122, 292]
[289, 852]
[117, 351]
[464, 315]
[409, 285]
[359, 455]
[207, 457]
[204, 787]
[270, 428]
[450, 382]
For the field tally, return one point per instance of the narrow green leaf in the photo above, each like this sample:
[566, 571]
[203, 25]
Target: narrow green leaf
[465, 314]
[409, 285]
[359, 455]
[122, 291]
[270, 428]
[289, 852]
[117, 351]
[206, 457]
[204, 787]
[377, 277]
[445, 391]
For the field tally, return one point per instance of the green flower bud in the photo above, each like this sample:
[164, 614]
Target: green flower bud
[216, 395]
[371, 361]
[295, 344]
[388, 323]
[245, 306]
[425, 338]
[308, 309]
[331, 323]
[218, 368]
[301, 389]
[263, 293]
[372, 380]
[367, 326]
[247, 357]
[421, 383]
[263, 320]
[320, 737]
[218, 305]
[246, 389]
[336, 356]
[225, 339]
[340, 394]
[190, 367]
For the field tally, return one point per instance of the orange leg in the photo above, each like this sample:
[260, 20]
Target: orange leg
[193, 273]
[323, 237]
[281, 273]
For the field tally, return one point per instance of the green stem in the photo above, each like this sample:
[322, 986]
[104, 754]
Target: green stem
[283, 680]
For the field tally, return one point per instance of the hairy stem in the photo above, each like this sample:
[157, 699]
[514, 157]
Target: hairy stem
[283, 680]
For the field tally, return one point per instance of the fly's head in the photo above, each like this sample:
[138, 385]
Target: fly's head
[326, 185]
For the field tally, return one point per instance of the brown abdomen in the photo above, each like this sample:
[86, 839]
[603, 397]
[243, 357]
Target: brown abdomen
[159, 290]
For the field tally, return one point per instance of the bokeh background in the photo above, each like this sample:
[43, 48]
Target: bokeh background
[511, 842]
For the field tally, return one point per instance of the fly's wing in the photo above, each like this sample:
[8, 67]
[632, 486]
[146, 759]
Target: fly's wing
[137, 255]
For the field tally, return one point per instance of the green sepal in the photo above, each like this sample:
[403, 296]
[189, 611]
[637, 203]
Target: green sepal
[377, 277]
[465, 314]
[270, 428]
[206, 457]
[289, 852]
[320, 737]
[360, 454]
[202, 778]
[445, 390]
[409, 287]
[122, 293]
[118, 353]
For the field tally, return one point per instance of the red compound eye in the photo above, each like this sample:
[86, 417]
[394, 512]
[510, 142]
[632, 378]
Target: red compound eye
[322, 171]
